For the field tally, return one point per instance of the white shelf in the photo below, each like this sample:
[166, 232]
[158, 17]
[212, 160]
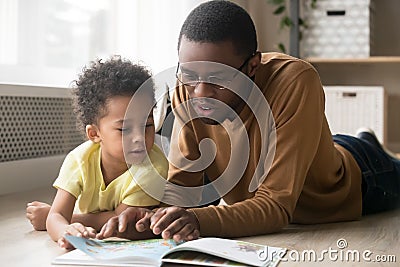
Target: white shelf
[388, 59]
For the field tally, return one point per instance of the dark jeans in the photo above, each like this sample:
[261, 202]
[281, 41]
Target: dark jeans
[380, 174]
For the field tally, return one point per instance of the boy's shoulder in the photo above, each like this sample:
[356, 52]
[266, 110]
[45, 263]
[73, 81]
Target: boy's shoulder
[158, 159]
[85, 150]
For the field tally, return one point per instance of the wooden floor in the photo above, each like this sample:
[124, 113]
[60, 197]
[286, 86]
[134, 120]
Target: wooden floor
[372, 238]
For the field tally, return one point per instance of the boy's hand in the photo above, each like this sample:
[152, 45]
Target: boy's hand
[128, 224]
[177, 223]
[76, 229]
[36, 213]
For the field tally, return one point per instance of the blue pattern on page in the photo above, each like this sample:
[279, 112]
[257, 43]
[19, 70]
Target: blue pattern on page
[103, 250]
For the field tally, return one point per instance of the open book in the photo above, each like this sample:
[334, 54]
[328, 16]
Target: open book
[153, 252]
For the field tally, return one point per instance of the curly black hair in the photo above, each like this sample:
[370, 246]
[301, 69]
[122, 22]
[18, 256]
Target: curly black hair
[101, 81]
[217, 21]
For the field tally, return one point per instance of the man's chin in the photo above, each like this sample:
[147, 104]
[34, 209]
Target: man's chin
[209, 121]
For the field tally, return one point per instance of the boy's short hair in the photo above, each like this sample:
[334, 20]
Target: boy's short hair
[217, 21]
[101, 81]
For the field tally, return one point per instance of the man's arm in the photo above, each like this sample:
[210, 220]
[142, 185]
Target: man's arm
[299, 118]
[126, 225]
[185, 159]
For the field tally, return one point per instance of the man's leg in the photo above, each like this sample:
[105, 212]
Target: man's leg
[368, 135]
[380, 171]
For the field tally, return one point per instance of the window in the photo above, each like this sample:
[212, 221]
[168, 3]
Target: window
[49, 41]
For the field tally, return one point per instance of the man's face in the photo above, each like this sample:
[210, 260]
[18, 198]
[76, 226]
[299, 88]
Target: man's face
[212, 102]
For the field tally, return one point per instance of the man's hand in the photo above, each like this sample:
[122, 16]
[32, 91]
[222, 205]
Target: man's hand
[76, 229]
[129, 224]
[36, 213]
[177, 223]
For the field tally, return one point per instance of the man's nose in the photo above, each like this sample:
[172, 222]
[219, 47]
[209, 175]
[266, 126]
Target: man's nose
[204, 89]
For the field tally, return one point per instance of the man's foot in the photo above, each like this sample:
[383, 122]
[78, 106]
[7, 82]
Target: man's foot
[368, 135]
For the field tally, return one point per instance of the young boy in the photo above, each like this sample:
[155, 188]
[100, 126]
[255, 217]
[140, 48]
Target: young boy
[119, 166]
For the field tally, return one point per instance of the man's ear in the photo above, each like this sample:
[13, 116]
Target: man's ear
[253, 64]
[93, 133]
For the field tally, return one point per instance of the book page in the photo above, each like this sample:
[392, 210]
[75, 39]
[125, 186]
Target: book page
[234, 250]
[123, 251]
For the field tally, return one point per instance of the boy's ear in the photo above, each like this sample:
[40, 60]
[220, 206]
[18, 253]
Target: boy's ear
[92, 132]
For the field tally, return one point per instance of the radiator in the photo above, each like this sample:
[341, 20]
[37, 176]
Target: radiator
[37, 130]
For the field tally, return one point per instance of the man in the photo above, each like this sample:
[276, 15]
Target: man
[294, 171]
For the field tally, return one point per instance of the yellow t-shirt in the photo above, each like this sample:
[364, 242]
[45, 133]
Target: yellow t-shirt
[141, 185]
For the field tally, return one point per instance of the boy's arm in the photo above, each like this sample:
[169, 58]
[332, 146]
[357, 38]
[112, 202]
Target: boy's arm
[60, 214]
[58, 221]
[98, 219]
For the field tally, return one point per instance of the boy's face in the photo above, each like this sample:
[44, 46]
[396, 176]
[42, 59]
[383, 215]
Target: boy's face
[137, 127]
[210, 102]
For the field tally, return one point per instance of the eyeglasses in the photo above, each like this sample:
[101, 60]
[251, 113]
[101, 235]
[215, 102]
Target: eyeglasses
[220, 82]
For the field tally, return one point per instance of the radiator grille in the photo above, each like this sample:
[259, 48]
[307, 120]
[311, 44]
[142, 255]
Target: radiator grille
[35, 127]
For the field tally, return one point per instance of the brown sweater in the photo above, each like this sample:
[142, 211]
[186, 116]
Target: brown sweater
[308, 180]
